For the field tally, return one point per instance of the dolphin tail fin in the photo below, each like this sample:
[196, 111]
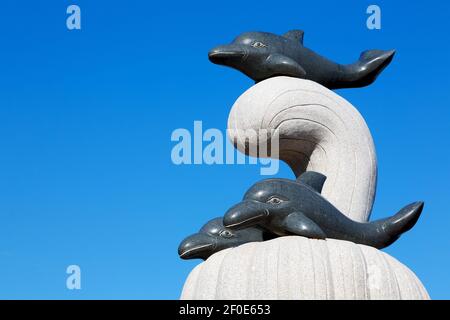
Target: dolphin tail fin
[398, 224]
[370, 64]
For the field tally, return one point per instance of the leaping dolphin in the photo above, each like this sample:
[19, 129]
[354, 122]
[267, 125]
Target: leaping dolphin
[262, 55]
[213, 237]
[296, 207]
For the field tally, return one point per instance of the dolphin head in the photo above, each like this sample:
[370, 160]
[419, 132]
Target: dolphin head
[213, 237]
[263, 201]
[248, 53]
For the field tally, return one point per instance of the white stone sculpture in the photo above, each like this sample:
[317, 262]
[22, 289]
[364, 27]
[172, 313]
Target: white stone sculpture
[300, 268]
[318, 131]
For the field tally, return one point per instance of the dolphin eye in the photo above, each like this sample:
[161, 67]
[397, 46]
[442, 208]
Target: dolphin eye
[274, 200]
[258, 44]
[226, 234]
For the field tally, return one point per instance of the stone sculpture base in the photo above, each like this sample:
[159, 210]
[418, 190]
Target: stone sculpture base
[300, 268]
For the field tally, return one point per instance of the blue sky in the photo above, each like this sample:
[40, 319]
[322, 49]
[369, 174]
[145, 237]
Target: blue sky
[86, 117]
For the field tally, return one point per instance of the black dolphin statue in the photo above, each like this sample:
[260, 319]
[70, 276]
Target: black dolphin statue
[213, 237]
[262, 55]
[296, 207]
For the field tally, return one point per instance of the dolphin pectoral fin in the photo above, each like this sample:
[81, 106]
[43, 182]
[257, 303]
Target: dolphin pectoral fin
[297, 223]
[282, 65]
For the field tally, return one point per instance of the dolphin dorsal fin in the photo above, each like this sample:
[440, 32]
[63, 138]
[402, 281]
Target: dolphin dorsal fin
[296, 35]
[313, 179]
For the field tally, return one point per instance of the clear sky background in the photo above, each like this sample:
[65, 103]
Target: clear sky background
[86, 117]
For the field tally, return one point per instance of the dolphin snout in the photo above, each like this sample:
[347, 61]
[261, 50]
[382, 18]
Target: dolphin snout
[245, 214]
[227, 54]
[197, 246]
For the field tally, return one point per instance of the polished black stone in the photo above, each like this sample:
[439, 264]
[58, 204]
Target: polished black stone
[213, 237]
[296, 207]
[262, 55]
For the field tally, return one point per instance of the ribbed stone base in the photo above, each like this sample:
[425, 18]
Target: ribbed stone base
[300, 268]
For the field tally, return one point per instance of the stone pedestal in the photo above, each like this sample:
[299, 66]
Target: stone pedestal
[300, 268]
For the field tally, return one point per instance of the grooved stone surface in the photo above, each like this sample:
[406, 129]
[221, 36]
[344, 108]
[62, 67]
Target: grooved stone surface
[319, 131]
[300, 268]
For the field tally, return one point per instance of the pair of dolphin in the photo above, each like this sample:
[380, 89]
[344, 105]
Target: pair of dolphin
[280, 207]
[262, 55]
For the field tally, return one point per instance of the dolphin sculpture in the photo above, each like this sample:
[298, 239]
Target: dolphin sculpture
[213, 237]
[262, 55]
[296, 207]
